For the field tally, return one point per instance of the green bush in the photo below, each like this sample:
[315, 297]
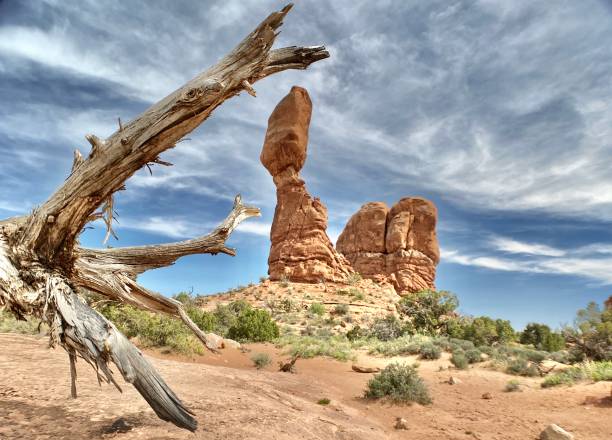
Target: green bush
[591, 336]
[560, 356]
[473, 356]
[427, 310]
[324, 401]
[386, 329]
[430, 351]
[253, 325]
[353, 278]
[566, 377]
[593, 370]
[521, 367]
[459, 360]
[184, 297]
[152, 330]
[404, 345]
[399, 383]
[204, 320]
[336, 347]
[512, 386]
[261, 360]
[317, 309]
[486, 331]
[356, 294]
[9, 324]
[341, 309]
[356, 333]
[542, 338]
[536, 356]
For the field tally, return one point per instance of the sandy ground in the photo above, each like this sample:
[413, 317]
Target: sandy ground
[232, 400]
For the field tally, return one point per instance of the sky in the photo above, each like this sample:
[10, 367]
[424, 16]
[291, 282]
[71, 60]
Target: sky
[498, 111]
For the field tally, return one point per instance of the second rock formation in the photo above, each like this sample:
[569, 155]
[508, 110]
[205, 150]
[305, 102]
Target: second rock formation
[398, 245]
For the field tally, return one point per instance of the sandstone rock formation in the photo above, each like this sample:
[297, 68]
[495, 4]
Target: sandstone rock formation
[398, 245]
[301, 249]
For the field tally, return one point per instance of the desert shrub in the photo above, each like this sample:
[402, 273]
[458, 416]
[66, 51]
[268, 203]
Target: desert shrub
[591, 336]
[565, 377]
[324, 401]
[512, 385]
[536, 356]
[459, 360]
[206, 321]
[426, 310]
[406, 344]
[430, 351]
[542, 338]
[336, 347]
[226, 315]
[461, 344]
[387, 328]
[601, 370]
[261, 360]
[356, 333]
[560, 356]
[356, 294]
[521, 367]
[253, 325]
[353, 278]
[152, 330]
[10, 324]
[486, 349]
[317, 309]
[486, 331]
[184, 298]
[473, 355]
[341, 309]
[284, 281]
[399, 383]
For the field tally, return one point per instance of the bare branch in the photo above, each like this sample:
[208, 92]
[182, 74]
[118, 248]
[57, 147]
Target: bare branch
[159, 128]
[112, 272]
[138, 259]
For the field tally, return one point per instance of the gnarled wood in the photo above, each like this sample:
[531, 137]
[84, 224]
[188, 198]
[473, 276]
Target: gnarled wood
[41, 264]
[113, 160]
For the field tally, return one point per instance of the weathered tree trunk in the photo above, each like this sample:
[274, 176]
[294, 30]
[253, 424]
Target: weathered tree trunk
[42, 265]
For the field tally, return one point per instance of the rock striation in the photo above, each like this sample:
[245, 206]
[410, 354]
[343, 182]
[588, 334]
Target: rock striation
[398, 245]
[300, 250]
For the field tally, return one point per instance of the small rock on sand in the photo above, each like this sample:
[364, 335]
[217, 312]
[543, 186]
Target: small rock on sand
[554, 432]
[401, 423]
[453, 380]
[487, 396]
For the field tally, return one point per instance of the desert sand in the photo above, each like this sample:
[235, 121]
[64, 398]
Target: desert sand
[233, 400]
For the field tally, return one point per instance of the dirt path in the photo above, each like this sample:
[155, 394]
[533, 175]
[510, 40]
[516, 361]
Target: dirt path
[234, 401]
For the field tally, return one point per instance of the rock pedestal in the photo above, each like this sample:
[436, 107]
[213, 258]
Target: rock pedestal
[300, 251]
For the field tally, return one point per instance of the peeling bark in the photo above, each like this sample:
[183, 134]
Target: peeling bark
[42, 265]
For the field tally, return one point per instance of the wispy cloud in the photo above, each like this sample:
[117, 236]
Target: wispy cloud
[511, 246]
[591, 261]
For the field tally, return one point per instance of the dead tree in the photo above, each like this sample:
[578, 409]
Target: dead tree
[42, 264]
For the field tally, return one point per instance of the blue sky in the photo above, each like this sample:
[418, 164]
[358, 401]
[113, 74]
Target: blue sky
[498, 111]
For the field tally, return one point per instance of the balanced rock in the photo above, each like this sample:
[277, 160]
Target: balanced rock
[301, 250]
[398, 244]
